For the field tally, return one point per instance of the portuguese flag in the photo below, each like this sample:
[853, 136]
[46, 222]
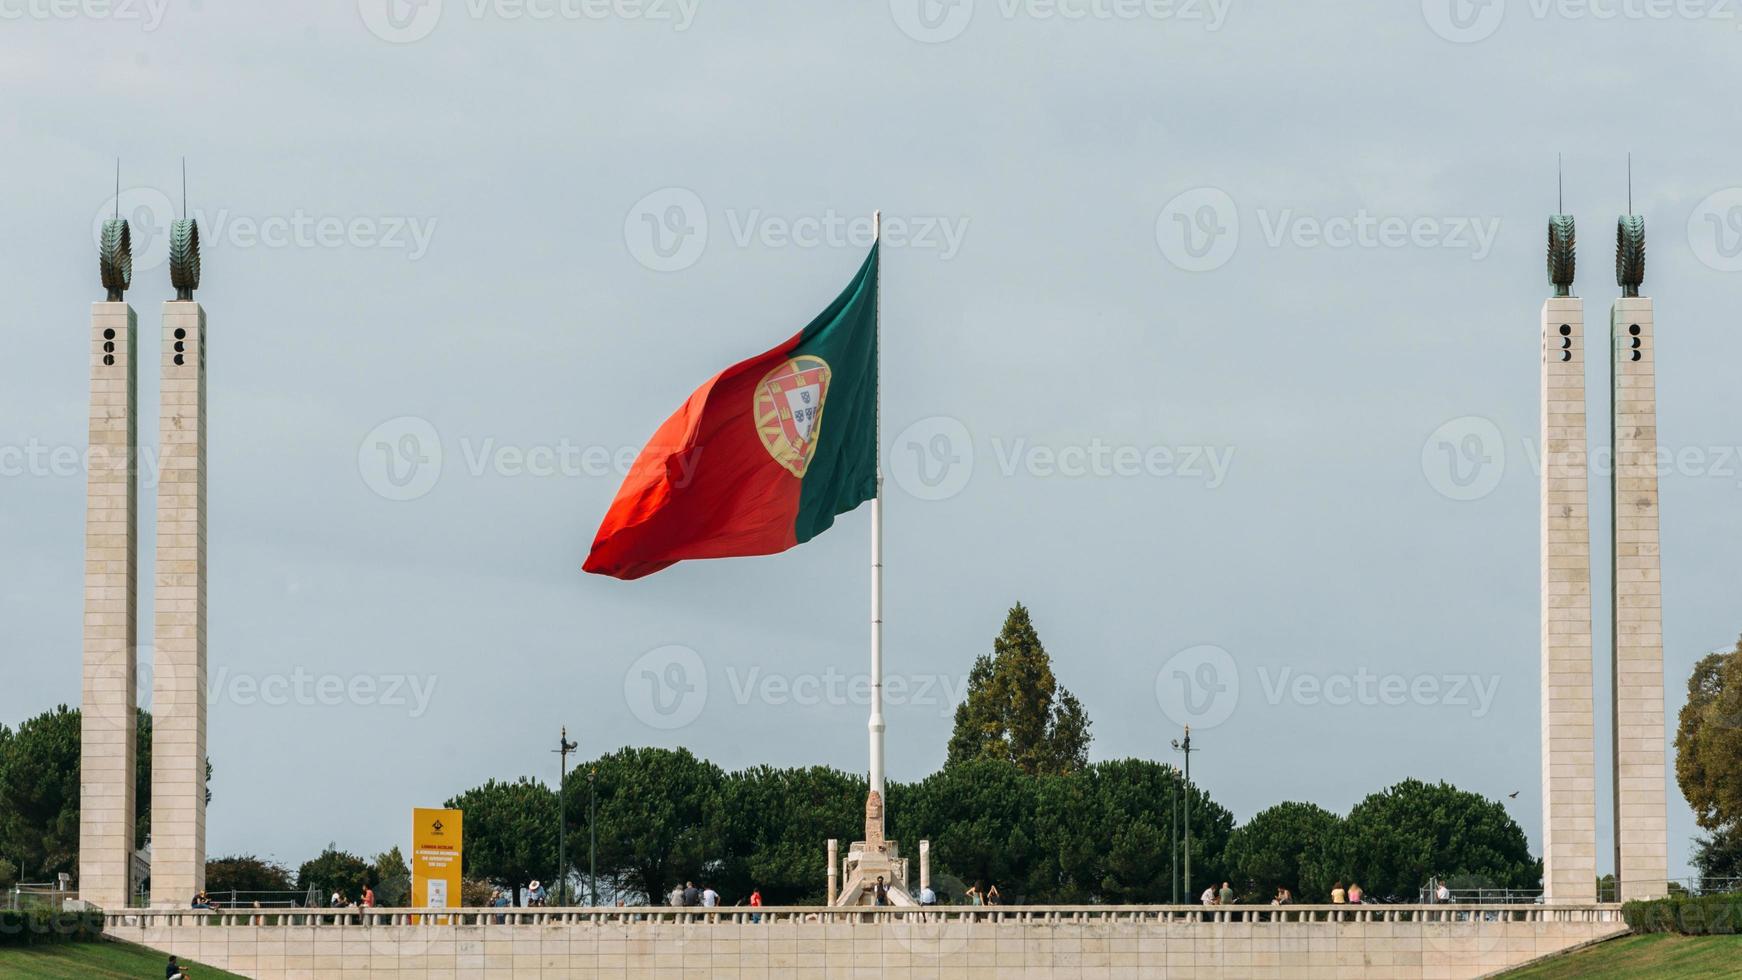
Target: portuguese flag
[763, 455]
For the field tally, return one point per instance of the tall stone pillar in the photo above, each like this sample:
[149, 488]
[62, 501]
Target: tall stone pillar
[108, 741]
[178, 743]
[1641, 815]
[1569, 764]
[834, 869]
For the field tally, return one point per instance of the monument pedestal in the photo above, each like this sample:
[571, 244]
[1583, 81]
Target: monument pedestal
[866, 862]
[873, 858]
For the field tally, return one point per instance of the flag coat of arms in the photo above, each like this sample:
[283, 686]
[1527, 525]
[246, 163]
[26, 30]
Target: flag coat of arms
[763, 455]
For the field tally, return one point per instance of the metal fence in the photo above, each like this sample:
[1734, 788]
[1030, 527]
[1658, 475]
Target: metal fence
[51, 895]
[1479, 896]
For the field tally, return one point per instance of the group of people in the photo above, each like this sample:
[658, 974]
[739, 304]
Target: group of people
[981, 893]
[688, 895]
[339, 901]
[1350, 896]
[1340, 895]
[1218, 896]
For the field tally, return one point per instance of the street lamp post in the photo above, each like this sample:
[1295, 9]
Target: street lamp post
[592, 840]
[1186, 748]
[564, 747]
[1173, 833]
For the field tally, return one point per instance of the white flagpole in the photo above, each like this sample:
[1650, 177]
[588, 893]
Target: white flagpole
[876, 723]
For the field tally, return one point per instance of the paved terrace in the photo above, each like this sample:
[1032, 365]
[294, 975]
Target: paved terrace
[1335, 942]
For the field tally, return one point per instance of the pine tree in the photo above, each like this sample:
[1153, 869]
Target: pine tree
[1015, 710]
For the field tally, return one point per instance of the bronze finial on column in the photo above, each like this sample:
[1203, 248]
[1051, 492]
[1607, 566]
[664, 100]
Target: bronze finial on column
[1562, 243]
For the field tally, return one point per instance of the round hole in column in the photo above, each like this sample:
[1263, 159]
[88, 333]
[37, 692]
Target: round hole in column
[1566, 355]
[109, 334]
[108, 347]
[179, 347]
[179, 359]
[1566, 330]
[108, 359]
[1634, 330]
[1635, 343]
[1566, 343]
[1636, 355]
[180, 334]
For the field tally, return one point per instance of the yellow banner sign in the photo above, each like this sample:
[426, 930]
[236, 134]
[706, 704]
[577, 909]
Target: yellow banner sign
[436, 846]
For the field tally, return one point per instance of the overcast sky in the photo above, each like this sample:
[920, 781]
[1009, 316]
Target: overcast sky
[1210, 333]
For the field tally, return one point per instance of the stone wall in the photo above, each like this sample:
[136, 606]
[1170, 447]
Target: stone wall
[1343, 942]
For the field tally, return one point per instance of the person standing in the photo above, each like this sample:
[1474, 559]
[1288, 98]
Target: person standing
[1442, 894]
[368, 897]
[1338, 895]
[927, 896]
[675, 899]
[692, 897]
[756, 903]
[1209, 896]
[992, 896]
[710, 898]
[1355, 894]
[880, 893]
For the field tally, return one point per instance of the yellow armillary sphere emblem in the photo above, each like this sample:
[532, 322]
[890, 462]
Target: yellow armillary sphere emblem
[789, 410]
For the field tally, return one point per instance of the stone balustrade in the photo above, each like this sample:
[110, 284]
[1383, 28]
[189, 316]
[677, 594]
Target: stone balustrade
[1259, 941]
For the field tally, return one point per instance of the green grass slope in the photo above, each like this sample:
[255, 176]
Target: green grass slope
[79, 961]
[1657, 956]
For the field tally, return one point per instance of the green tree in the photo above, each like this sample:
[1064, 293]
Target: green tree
[1719, 854]
[1393, 841]
[39, 795]
[245, 873]
[510, 832]
[1278, 847]
[335, 871]
[392, 879]
[776, 821]
[661, 819]
[1132, 799]
[1015, 710]
[39, 791]
[1071, 849]
[980, 817]
[1708, 741]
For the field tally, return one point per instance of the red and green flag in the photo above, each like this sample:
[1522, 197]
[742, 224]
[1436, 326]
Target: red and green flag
[763, 455]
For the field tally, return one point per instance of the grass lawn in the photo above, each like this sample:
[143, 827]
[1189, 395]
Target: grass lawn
[75, 961]
[1648, 957]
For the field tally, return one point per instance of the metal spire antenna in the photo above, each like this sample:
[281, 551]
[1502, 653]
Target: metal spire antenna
[1560, 192]
[117, 188]
[184, 187]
